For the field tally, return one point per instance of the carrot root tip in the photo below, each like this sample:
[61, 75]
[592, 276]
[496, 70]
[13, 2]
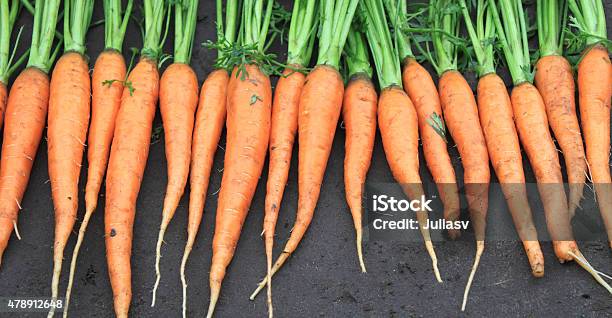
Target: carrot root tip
[434, 259]
[75, 255]
[581, 260]
[360, 250]
[160, 240]
[16, 230]
[466, 292]
[214, 297]
[188, 248]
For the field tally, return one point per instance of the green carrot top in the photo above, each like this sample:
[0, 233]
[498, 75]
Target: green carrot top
[385, 54]
[115, 23]
[154, 14]
[43, 33]
[77, 16]
[397, 11]
[356, 51]
[302, 32]
[444, 21]
[482, 35]
[336, 17]
[255, 23]
[8, 16]
[185, 17]
[590, 20]
[551, 19]
[512, 34]
[249, 45]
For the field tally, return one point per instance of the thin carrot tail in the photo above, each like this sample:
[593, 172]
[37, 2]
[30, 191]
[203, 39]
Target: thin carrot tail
[479, 250]
[188, 248]
[422, 219]
[215, 290]
[269, 237]
[160, 240]
[359, 239]
[277, 265]
[75, 255]
[581, 260]
[58, 255]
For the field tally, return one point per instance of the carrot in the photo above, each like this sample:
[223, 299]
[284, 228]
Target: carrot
[461, 115]
[26, 107]
[422, 90]
[532, 126]
[595, 89]
[107, 83]
[359, 114]
[249, 101]
[555, 82]
[178, 99]
[319, 110]
[209, 123]
[496, 118]
[128, 157]
[285, 120]
[397, 117]
[8, 14]
[68, 120]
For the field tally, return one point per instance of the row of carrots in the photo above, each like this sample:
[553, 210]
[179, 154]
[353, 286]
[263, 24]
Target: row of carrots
[113, 111]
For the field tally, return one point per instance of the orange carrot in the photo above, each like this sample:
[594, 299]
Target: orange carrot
[359, 113]
[555, 82]
[398, 123]
[128, 157]
[249, 108]
[178, 101]
[421, 89]
[282, 136]
[26, 107]
[424, 94]
[595, 89]
[461, 114]
[249, 103]
[26, 113]
[68, 121]
[359, 117]
[209, 123]
[107, 86]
